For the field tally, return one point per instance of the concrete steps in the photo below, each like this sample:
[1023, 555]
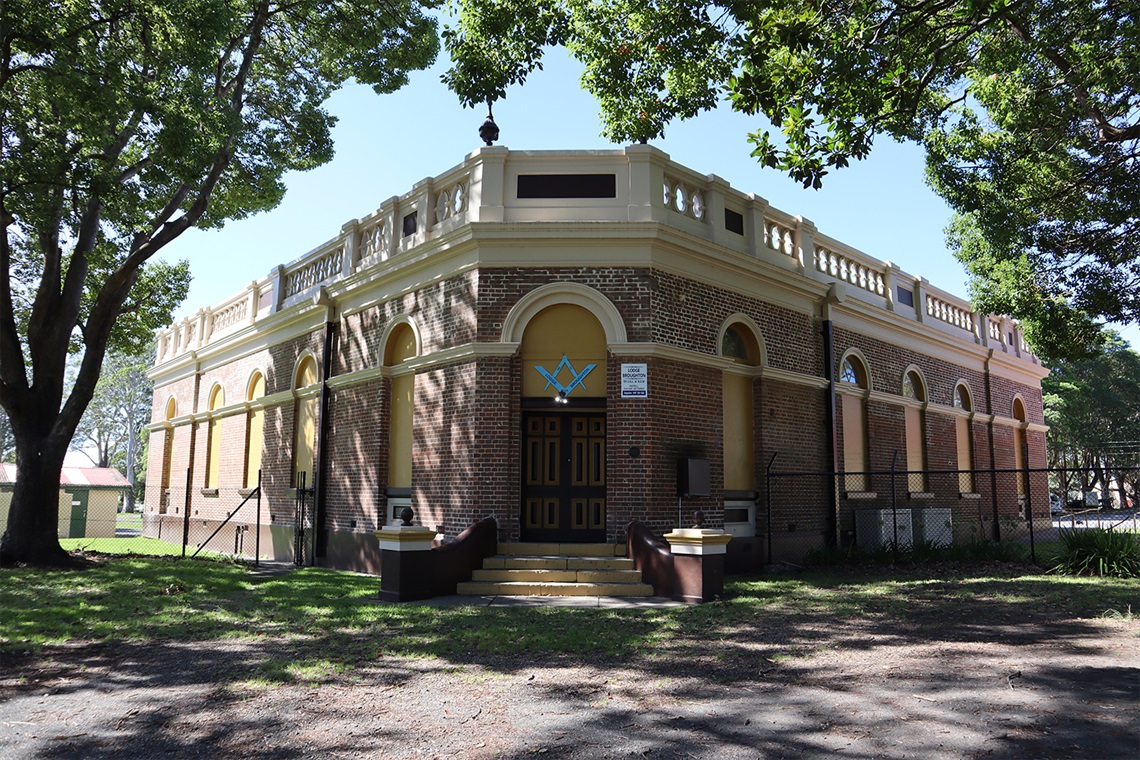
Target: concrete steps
[529, 569]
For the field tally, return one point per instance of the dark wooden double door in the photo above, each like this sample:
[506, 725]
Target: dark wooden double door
[564, 476]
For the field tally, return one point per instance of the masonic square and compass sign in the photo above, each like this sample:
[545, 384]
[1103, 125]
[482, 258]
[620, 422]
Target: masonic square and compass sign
[576, 378]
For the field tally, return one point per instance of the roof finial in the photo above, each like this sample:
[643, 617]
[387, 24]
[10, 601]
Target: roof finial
[489, 132]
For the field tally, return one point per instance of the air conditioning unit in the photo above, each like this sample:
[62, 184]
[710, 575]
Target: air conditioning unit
[740, 517]
[395, 504]
[933, 526]
[877, 528]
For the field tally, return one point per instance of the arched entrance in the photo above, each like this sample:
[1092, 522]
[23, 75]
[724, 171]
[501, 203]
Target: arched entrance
[563, 497]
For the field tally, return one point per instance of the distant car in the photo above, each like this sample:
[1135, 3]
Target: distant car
[1055, 504]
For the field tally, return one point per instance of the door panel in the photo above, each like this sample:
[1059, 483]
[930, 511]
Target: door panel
[564, 477]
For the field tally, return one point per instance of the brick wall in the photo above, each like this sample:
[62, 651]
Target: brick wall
[358, 449]
[467, 438]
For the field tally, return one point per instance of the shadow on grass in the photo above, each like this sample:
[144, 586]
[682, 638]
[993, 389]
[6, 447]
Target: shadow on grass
[742, 675]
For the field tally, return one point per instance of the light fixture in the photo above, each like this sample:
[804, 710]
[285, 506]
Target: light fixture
[561, 398]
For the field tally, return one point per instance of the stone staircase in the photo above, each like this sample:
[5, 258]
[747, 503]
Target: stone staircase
[530, 569]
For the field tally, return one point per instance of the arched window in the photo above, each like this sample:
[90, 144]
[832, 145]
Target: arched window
[739, 344]
[914, 388]
[254, 430]
[851, 371]
[855, 382]
[963, 400]
[304, 422]
[400, 347]
[214, 437]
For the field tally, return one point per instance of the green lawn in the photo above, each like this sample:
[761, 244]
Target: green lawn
[330, 620]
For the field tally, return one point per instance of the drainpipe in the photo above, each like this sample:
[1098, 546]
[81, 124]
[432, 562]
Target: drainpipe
[835, 295]
[320, 544]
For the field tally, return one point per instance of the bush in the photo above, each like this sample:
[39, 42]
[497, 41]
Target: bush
[1098, 551]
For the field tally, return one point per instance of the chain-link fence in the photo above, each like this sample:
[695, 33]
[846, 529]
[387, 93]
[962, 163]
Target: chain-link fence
[804, 515]
[216, 521]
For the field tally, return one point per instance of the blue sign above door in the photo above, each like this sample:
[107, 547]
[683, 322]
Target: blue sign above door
[576, 378]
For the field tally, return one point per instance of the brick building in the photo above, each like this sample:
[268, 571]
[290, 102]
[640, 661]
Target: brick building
[543, 336]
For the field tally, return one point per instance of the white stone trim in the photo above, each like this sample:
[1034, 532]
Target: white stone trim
[750, 323]
[556, 293]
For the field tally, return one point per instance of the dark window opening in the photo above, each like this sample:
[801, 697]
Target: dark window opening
[567, 186]
[906, 297]
[733, 221]
[410, 223]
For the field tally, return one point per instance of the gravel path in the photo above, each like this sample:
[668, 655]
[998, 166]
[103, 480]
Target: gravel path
[950, 689]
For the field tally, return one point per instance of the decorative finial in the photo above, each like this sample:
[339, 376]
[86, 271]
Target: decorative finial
[406, 515]
[489, 132]
[698, 519]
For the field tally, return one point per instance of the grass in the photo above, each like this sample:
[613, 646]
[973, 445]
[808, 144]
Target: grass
[319, 623]
[138, 545]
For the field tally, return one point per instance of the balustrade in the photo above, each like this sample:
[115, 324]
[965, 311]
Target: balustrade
[684, 199]
[851, 271]
[949, 313]
[230, 315]
[313, 272]
[482, 181]
[451, 200]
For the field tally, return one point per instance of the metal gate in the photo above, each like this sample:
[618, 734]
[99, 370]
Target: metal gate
[304, 532]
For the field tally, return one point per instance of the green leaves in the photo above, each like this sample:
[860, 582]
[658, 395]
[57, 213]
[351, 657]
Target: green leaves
[123, 124]
[647, 61]
[1029, 112]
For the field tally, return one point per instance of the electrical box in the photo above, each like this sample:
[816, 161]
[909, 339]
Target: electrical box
[693, 477]
[933, 525]
[877, 528]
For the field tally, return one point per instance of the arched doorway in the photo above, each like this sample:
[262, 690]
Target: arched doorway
[401, 346]
[739, 344]
[563, 364]
[1020, 454]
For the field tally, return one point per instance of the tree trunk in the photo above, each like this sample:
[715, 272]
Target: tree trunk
[32, 534]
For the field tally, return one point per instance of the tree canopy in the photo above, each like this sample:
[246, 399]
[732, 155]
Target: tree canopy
[123, 124]
[1092, 407]
[1029, 113]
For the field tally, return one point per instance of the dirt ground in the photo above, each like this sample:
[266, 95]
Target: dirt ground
[966, 685]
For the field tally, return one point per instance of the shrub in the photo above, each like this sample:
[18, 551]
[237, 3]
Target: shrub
[1098, 551]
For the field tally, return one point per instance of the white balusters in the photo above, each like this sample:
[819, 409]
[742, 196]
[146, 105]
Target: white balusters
[313, 272]
[685, 199]
[851, 271]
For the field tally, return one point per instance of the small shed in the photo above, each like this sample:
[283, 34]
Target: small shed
[88, 499]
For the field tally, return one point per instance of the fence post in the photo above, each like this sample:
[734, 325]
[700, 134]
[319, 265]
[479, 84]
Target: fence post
[257, 536]
[894, 509]
[1029, 503]
[768, 503]
[186, 514]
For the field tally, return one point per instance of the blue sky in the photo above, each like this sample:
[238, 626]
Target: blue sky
[385, 144]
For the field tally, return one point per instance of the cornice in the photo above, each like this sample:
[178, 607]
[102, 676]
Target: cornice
[893, 328]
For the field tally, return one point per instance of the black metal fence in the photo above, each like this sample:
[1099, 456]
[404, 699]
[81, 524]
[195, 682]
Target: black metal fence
[893, 512]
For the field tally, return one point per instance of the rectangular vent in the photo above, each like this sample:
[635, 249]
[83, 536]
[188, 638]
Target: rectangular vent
[906, 297]
[410, 223]
[567, 186]
[733, 221]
